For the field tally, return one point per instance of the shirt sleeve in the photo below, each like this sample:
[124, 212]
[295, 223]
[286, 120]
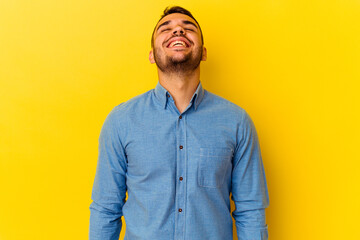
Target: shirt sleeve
[249, 189]
[109, 189]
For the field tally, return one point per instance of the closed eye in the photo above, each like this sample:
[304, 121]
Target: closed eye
[167, 29]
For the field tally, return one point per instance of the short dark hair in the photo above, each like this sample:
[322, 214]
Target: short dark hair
[176, 9]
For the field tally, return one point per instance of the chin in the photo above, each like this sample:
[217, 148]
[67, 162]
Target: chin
[181, 58]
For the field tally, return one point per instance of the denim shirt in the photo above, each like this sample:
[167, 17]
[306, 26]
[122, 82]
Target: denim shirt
[180, 171]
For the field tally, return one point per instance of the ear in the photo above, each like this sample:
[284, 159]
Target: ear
[151, 56]
[204, 54]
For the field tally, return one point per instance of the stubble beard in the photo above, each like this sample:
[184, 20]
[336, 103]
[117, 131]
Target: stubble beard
[171, 65]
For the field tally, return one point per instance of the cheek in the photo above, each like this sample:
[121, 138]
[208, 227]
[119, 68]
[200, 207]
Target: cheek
[195, 38]
[158, 44]
[159, 40]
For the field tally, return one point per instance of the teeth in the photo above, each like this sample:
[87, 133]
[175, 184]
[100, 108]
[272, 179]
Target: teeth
[178, 43]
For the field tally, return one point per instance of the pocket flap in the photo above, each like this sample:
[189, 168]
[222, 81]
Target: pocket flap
[213, 152]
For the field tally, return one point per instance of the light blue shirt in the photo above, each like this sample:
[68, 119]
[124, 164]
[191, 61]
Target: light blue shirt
[179, 171]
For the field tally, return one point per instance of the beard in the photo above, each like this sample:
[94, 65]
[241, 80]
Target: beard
[176, 65]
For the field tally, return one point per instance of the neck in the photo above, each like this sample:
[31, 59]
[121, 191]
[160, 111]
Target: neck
[181, 86]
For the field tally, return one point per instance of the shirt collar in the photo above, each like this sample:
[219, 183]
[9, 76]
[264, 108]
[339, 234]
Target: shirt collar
[162, 95]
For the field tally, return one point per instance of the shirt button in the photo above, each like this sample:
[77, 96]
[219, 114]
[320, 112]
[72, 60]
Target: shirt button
[181, 147]
[181, 178]
[180, 210]
[180, 117]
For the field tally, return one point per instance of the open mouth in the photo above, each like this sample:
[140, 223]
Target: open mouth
[178, 44]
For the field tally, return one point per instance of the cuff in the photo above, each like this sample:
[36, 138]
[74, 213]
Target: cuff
[252, 233]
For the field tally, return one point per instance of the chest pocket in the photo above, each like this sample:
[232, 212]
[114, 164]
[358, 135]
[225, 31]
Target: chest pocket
[213, 164]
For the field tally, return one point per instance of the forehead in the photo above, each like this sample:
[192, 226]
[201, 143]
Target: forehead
[175, 18]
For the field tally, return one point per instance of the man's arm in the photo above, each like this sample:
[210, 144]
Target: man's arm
[109, 189]
[249, 189]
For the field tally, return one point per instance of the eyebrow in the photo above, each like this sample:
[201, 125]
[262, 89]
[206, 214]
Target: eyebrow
[184, 22]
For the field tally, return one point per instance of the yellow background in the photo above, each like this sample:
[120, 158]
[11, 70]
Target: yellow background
[293, 65]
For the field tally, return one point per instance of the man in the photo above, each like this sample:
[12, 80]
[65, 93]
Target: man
[179, 151]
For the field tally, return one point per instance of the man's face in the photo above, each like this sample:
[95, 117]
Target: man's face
[177, 44]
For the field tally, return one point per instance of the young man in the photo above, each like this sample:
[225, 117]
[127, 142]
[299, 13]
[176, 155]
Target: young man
[179, 151]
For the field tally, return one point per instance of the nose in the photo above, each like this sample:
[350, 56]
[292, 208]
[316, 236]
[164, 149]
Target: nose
[177, 30]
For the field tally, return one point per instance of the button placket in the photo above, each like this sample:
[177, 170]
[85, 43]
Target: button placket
[180, 173]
